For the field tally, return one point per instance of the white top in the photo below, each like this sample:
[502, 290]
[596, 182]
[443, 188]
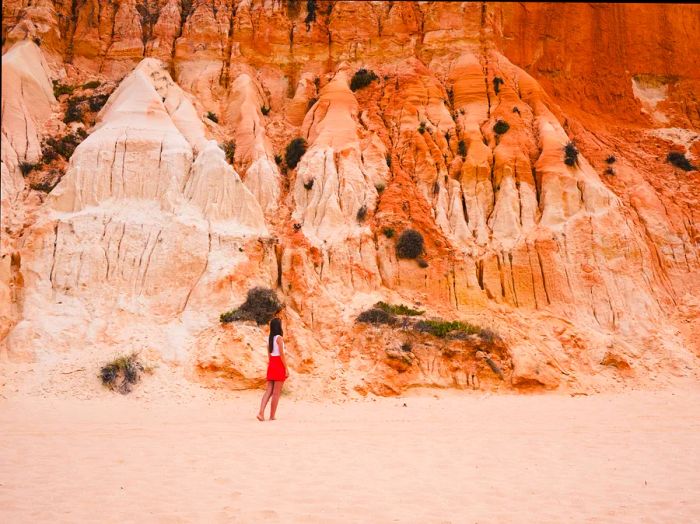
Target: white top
[275, 347]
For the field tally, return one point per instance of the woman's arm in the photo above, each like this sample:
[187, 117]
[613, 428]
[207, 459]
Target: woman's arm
[282, 357]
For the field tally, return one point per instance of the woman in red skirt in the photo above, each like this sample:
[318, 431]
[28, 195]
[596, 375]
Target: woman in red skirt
[277, 371]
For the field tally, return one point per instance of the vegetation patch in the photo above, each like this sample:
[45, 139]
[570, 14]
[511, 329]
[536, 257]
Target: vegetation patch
[388, 232]
[501, 127]
[362, 213]
[260, 305]
[212, 116]
[398, 309]
[611, 159]
[679, 160]
[446, 329]
[362, 78]
[265, 110]
[308, 185]
[497, 81]
[376, 316]
[123, 373]
[422, 263]
[74, 111]
[570, 153]
[295, 150]
[229, 148]
[462, 148]
[410, 244]
[27, 167]
[278, 159]
[379, 187]
[422, 127]
[93, 84]
[62, 89]
[388, 161]
[65, 146]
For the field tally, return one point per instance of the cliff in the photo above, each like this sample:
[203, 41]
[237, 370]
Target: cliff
[146, 191]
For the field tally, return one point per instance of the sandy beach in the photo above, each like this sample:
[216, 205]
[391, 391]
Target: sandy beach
[436, 456]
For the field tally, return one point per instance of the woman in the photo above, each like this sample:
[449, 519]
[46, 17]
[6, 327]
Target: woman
[277, 371]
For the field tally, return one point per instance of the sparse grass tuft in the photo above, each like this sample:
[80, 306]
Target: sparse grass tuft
[444, 328]
[122, 373]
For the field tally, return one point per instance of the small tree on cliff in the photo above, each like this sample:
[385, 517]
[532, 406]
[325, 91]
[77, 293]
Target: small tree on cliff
[295, 150]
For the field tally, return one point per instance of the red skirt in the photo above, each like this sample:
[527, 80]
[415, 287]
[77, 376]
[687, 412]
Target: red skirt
[275, 369]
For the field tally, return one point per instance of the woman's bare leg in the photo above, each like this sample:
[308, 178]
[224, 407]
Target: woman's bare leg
[276, 392]
[265, 400]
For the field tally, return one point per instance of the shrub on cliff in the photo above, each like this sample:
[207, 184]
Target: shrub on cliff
[260, 305]
[362, 78]
[362, 213]
[501, 127]
[74, 111]
[410, 244]
[388, 232]
[443, 328]
[61, 89]
[122, 373]
[27, 167]
[93, 84]
[399, 309]
[570, 153]
[295, 150]
[679, 160]
[229, 148]
[376, 316]
[497, 81]
[462, 148]
[212, 116]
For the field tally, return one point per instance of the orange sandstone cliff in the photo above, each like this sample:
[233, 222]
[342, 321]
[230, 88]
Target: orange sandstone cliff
[128, 224]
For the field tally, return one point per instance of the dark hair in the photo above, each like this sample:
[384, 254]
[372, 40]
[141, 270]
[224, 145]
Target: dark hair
[275, 329]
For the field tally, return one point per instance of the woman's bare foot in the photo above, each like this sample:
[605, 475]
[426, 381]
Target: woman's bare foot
[273, 418]
[261, 418]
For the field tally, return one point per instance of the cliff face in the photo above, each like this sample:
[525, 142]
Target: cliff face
[588, 272]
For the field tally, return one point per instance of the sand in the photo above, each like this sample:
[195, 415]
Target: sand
[632, 457]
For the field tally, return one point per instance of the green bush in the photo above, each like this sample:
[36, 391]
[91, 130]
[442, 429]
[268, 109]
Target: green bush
[61, 89]
[422, 263]
[74, 111]
[388, 160]
[410, 244]
[362, 213]
[609, 170]
[679, 160]
[421, 127]
[260, 305]
[308, 185]
[310, 13]
[27, 167]
[497, 81]
[362, 78]
[265, 110]
[407, 346]
[570, 153]
[380, 187]
[97, 102]
[376, 316]
[93, 84]
[501, 127]
[229, 148]
[64, 146]
[278, 159]
[611, 159]
[388, 232]
[295, 150]
[399, 309]
[462, 148]
[516, 110]
[443, 328]
[122, 373]
[212, 116]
